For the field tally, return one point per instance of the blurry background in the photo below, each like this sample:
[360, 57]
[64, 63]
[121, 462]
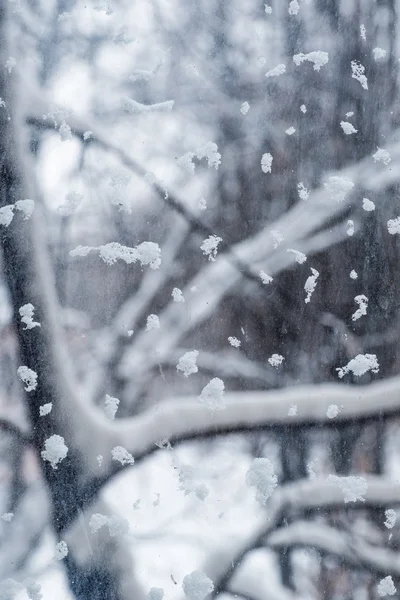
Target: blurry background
[113, 66]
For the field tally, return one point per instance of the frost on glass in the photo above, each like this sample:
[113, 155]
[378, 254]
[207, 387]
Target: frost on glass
[199, 299]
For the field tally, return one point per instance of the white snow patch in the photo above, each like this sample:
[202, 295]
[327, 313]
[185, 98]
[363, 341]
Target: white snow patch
[210, 246]
[212, 396]
[292, 410]
[382, 155]
[333, 411]
[363, 32]
[120, 454]
[177, 295]
[276, 71]
[278, 237]
[234, 342]
[147, 253]
[360, 365]
[350, 228]
[310, 284]
[354, 488]
[358, 73]
[347, 127]
[111, 406]
[197, 586]
[45, 409]
[353, 274]
[7, 517]
[55, 450]
[266, 162]
[61, 550]
[300, 257]
[290, 131]
[265, 278]
[303, 108]
[261, 475]
[338, 187]
[29, 377]
[391, 518]
[368, 205]
[153, 322]
[379, 53]
[276, 360]
[26, 312]
[318, 57]
[386, 587]
[294, 7]
[209, 151]
[187, 363]
[362, 302]
[393, 226]
[245, 107]
[302, 191]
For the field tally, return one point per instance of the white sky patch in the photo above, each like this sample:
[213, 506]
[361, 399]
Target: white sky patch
[391, 518]
[197, 586]
[61, 550]
[358, 73]
[153, 322]
[393, 226]
[292, 410]
[111, 406]
[294, 7]
[278, 237]
[266, 162]
[363, 32]
[338, 187]
[45, 409]
[350, 228]
[379, 53]
[208, 151]
[386, 587]
[234, 342]
[28, 377]
[245, 107]
[353, 274]
[147, 253]
[276, 71]
[261, 476]
[333, 411]
[368, 205]
[177, 295]
[382, 155]
[276, 360]
[136, 108]
[187, 363]
[210, 246]
[302, 191]
[318, 57]
[347, 127]
[121, 454]
[265, 278]
[360, 365]
[212, 396]
[300, 257]
[26, 312]
[303, 108]
[354, 488]
[55, 450]
[290, 131]
[362, 302]
[310, 284]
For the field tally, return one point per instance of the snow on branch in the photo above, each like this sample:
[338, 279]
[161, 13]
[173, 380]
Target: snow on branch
[329, 540]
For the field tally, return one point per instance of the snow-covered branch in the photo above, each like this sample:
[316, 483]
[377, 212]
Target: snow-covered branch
[328, 540]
